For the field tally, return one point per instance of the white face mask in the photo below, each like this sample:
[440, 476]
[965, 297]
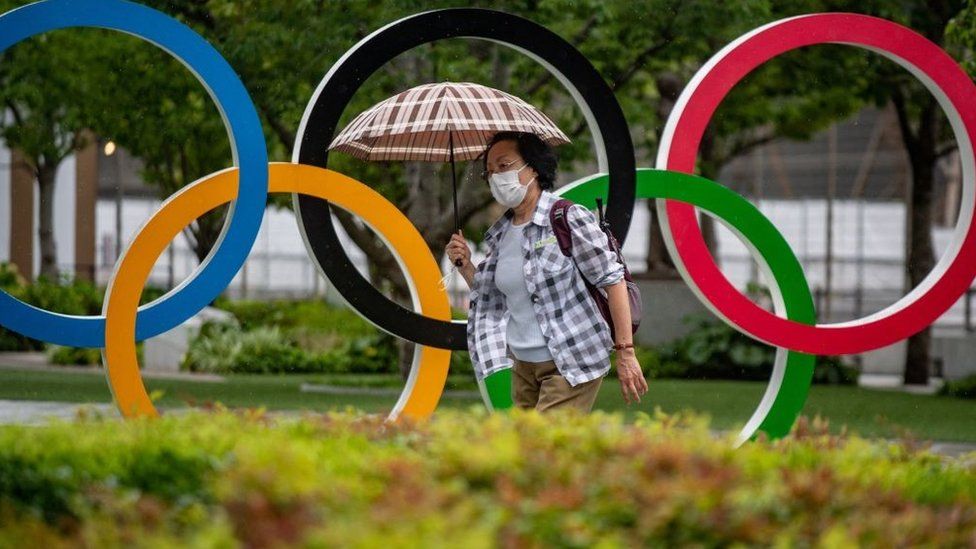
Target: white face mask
[507, 189]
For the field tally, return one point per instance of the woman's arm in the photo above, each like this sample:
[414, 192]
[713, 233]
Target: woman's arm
[632, 382]
[591, 249]
[468, 275]
[599, 264]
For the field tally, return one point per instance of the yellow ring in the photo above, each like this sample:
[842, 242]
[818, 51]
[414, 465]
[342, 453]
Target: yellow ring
[427, 379]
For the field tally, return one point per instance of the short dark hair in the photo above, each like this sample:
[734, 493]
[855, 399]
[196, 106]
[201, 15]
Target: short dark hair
[538, 154]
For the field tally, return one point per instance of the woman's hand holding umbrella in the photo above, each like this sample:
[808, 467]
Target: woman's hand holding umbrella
[459, 253]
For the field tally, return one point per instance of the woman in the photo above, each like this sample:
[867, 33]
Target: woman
[528, 302]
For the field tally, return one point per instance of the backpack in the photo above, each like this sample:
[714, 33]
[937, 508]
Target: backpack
[560, 226]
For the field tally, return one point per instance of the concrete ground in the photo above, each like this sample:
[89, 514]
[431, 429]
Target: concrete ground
[894, 383]
[34, 412]
[39, 361]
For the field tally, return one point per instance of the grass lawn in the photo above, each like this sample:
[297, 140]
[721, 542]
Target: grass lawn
[865, 411]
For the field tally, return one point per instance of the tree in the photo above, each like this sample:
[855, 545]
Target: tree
[926, 137]
[282, 50]
[646, 51]
[792, 96]
[805, 91]
[155, 108]
[44, 115]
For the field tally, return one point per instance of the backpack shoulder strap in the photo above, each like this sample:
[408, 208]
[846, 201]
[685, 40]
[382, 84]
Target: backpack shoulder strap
[559, 220]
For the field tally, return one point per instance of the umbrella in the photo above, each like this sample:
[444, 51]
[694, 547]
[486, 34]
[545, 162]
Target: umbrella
[441, 122]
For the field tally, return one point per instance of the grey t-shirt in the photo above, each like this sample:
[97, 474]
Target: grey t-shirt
[523, 334]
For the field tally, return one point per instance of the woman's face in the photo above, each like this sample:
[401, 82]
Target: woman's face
[503, 156]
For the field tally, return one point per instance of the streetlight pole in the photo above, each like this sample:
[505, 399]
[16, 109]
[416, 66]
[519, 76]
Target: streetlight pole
[110, 150]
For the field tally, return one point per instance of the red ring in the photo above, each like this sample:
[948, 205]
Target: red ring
[691, 117]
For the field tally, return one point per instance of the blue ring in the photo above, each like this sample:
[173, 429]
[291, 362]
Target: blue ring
[247, 143]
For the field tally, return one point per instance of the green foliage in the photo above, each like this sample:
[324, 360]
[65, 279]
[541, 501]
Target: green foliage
[961, 35]
[266, 349]
[74, 356]
[715, 350]
[334, 339]
[44, 93]
[461, 365]
[153, 107]
[10, 278]
[135, 93]
[963, 388]
[14, 342]
[373, 354]
[469, 479]
[314, 325]
[223, 349]
[70, 296]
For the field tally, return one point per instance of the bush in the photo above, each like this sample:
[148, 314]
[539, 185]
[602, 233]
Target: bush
[10, 278]
[14, 342]
[313, 325]
[74, 297]
[469, 479]
[14, 284]
[963, 388]
[373, 354]
[70, 296]
[226, 349]
[285, 336]
[74, 356]
[715, 350]
[656, 367]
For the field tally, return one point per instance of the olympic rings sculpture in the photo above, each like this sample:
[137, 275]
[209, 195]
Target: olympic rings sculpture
[791, 327]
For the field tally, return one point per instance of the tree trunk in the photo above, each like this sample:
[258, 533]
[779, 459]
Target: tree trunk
[709, 166]
[921, 140]
[405, 348]
[206, 230]
[921, 145]
[659, 262]
[919, 263]
[46, 174]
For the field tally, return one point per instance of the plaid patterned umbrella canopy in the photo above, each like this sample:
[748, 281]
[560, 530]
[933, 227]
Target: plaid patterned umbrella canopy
[424, 122]
[441, 122]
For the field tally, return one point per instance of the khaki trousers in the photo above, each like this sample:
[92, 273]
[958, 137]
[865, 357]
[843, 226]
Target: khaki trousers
[539, 385]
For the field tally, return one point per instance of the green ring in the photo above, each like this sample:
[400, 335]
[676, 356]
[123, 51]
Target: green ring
[783, 400]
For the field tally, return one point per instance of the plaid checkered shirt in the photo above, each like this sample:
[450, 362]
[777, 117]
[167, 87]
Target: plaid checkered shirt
[576, 333]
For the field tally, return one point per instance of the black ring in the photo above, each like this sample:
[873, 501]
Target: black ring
[348, 74]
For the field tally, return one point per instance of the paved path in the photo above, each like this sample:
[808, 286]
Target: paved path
[894, 383]
[36, 411]
[39, 362]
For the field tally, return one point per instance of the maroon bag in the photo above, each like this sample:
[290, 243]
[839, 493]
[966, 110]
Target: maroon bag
[560, 226]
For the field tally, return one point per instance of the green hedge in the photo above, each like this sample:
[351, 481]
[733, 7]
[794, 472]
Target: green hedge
[228, 349]
[291, 336]
[715, 350]
[68, 296]
[312, 324]
[468, 479]
[963, 388]
[74, 356]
